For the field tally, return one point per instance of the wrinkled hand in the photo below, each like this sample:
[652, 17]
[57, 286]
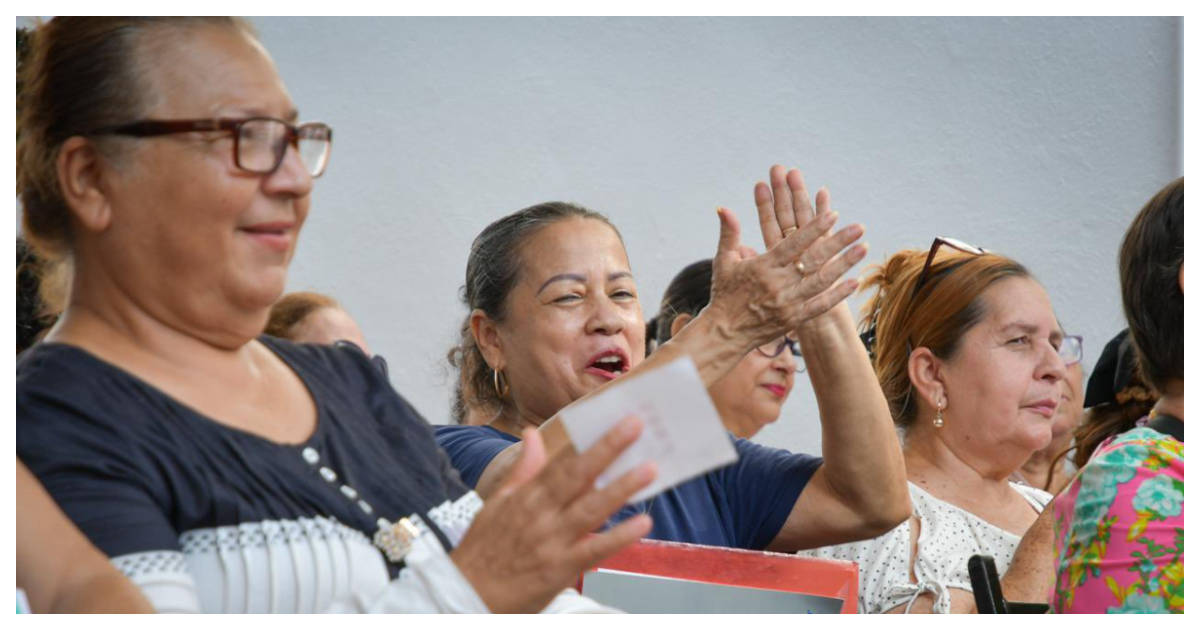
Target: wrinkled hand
[759, 298]
[533, 536]
[785, 204]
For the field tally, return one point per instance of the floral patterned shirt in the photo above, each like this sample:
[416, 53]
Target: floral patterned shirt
[1119, 529]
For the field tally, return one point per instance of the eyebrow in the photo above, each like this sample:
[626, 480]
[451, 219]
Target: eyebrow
[575, 277]
[1027, 328]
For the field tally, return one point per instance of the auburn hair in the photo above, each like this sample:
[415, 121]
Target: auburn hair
[291, 309]
[949, 303]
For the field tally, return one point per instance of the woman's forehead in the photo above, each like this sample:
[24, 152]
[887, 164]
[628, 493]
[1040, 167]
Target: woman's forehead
[1020, 302]
[575, 245]
[212, 71]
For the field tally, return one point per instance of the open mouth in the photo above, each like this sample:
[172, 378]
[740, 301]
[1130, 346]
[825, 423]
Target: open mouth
[608, 365]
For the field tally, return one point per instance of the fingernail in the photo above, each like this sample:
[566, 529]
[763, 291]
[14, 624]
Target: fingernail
[629, 427]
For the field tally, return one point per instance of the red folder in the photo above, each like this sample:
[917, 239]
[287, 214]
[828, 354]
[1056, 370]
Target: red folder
[698, 567]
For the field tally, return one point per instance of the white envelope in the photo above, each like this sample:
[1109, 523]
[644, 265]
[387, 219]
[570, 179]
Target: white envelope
[682, 431]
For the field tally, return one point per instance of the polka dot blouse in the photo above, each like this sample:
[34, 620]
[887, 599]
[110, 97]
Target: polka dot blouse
[948, 537]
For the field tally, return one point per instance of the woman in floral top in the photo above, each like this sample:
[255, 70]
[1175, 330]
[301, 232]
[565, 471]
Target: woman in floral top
[1119, 525]
[1119, 529]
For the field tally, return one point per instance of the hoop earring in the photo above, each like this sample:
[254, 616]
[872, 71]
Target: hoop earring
[938, 420]
[496, 380]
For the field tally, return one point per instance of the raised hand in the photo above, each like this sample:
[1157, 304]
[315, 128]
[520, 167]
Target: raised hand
[784, 206]
[533, 536]
[761, 297]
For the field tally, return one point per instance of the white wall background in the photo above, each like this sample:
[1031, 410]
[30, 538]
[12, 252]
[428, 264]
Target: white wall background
[1038, 138]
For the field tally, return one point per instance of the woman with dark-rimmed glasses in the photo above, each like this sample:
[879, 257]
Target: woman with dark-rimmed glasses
[221, 470]
[971, 359]
[752, 394]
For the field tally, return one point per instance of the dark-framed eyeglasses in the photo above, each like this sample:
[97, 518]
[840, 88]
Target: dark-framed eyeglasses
[868, 336]
[775, 348]
[1071, 350]
[259, 142]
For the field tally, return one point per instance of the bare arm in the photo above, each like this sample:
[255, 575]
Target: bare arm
[851, 496]
[1031, 574]
[861, 489]
[58, 567]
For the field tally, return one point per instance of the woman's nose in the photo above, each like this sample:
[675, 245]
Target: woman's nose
[1052, 367]
[785, 361]
[291, 178]
[606, 318]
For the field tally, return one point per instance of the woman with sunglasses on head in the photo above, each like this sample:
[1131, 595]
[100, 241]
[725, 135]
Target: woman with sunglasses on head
[220, 469]
[969, 354]
[752, 394]
[555, 316]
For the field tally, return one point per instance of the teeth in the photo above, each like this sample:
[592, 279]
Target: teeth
[609, 360]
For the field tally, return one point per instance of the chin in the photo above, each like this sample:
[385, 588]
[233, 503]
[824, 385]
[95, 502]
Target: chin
[262, 289]
[1039, 437]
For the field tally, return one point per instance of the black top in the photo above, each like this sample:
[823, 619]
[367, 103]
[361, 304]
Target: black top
[135, 469]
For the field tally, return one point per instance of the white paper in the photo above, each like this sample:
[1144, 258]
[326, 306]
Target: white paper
[682, 432]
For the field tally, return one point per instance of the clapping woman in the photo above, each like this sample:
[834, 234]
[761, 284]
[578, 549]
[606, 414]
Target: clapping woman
[555, 316]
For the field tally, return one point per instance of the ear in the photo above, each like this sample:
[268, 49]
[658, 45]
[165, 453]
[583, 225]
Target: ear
[1181, 277]
[679, 322]
[79, 168]
[925, 373]
[487, 338]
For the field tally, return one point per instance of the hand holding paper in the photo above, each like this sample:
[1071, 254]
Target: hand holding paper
[683, 433]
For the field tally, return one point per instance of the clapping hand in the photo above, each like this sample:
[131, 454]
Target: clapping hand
[533, 536]
[757, 298]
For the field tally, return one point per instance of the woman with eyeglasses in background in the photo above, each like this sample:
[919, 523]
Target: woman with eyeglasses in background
[752, 394]
[969, 354]
[554, 316]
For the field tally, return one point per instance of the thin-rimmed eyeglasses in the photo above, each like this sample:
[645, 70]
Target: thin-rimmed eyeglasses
[775, 348]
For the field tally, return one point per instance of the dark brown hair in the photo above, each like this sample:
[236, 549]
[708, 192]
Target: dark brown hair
[948, 304]
[80, 74]
[1150, 259]
[688, 293]
[291, 309]
[1110, 418]
[492, 269]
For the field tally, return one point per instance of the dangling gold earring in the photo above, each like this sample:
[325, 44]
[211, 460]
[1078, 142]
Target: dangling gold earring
[938, 421]
[496, 380]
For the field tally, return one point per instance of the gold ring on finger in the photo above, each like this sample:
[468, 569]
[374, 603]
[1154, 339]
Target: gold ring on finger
[788, 231]
[800, 268]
